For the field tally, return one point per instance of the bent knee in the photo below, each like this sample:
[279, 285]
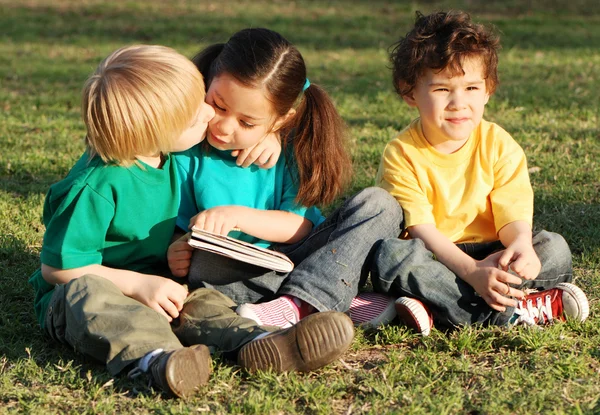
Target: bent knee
[209, 295]
[553, 251]
[378, 201]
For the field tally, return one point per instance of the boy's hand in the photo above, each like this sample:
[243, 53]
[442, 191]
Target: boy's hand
[492, 283]
[179, 256]
[220, 219]
[161, 294]
[521, 258]
[264, 154]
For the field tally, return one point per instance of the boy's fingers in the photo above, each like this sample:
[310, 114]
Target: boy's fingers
[507, 291]
[179, 267]
[519, 265]
[160, 310]
[505, 258]
[497, 307]
[508, 278]
[181, 255]
[170, 308]
[514, 292]
[177, 302]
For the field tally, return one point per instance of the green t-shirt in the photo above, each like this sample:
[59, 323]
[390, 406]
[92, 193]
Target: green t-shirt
[120, 217]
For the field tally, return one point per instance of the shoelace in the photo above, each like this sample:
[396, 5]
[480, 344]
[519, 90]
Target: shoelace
[528, 315]
[144, 363]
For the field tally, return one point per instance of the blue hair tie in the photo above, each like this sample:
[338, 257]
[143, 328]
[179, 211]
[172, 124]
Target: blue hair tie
[306, 85]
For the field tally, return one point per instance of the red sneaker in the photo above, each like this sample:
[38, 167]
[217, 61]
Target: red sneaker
[564, 301]
[414, 314]
[371, 310]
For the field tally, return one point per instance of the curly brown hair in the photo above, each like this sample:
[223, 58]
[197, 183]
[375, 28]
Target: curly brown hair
[442, 41]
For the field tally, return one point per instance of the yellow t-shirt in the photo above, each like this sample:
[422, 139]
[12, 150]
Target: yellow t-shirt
[468, 195]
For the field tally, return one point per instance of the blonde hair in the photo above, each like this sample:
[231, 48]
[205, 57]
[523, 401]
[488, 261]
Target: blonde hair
[139, 101]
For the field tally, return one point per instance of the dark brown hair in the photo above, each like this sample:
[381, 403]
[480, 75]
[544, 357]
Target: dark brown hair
[442, 41]
[263, 58]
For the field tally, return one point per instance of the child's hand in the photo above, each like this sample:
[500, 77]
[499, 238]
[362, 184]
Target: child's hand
[521, 258]
[160, 294]
[491, 283]
[179, 256]
[264, 154]
[220, 219]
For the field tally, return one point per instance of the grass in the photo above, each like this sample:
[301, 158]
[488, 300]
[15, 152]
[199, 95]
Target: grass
[548, 100]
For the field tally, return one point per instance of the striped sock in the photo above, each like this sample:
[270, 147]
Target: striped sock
[282, 312]
[372, 309]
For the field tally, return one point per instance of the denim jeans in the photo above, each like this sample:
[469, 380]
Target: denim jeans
[330, 263]
[405, 268]
[93, 316]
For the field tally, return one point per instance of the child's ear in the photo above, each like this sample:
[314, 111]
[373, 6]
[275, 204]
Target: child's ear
[410, 99]
[281, 121]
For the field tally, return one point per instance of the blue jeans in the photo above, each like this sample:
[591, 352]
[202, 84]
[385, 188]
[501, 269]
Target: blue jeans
[405, 268]
[330, 263]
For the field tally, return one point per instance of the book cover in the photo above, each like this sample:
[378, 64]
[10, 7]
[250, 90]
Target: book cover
[240, 250]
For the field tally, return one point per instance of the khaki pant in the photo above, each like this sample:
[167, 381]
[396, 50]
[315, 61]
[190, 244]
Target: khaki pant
[92, 315]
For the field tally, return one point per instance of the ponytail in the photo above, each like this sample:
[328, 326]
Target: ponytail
[318, 136]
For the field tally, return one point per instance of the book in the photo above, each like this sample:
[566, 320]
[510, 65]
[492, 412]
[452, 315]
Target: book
[240, 250]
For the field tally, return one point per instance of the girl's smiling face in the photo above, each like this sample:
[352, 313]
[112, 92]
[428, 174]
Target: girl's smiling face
[243, 115]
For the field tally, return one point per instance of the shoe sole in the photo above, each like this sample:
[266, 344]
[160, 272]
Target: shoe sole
[312, 343]
[187, 369]
[577, 305]
[414, 315]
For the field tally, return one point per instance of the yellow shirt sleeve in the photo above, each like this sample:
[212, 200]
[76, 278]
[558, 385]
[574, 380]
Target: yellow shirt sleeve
[512, 196]
[398, 175]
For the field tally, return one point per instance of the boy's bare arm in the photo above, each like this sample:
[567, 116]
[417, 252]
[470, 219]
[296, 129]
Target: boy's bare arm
[484, 276]
[519, 254]
[161, 294]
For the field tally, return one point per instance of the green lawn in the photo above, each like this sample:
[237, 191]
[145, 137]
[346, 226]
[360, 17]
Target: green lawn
[548, 100]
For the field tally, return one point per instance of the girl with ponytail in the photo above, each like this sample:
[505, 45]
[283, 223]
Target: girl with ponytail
[258, 85]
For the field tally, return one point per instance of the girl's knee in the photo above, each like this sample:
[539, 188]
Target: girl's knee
[378, 202]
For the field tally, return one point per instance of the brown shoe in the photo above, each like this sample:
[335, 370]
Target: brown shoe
[313, 342]
[180, 372]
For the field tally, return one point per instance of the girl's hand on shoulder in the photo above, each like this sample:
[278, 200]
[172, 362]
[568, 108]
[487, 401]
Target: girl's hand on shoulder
[179, 256]
[161, 294]
[264, 154]
[220, 220]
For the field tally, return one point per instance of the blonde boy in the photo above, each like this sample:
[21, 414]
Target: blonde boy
[464, 188]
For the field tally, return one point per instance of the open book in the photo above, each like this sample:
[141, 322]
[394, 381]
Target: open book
[239, 250]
